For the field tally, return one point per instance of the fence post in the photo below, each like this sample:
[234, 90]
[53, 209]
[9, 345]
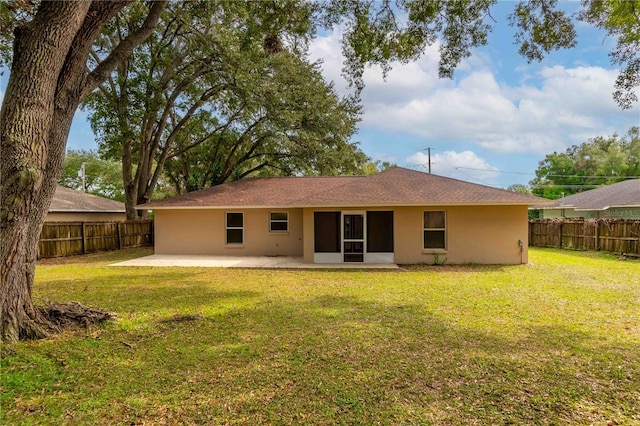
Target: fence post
[119, 235]
[561, 232]
[597, 248]
[84, 244]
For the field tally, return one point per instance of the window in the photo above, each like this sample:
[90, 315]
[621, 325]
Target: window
[235, 228]
[278, 222]
[434, 230]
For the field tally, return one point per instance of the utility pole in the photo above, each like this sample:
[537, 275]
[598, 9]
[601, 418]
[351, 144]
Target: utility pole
[83, 175]
[429, 157]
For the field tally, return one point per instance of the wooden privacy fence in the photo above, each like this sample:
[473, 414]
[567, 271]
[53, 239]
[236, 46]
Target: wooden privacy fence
[71, 238]
[612, 235]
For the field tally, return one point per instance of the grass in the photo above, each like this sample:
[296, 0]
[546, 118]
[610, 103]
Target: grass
[553, 342]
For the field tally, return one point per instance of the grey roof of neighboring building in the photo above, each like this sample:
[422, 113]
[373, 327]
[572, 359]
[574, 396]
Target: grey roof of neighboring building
[621, 194]
[70, 200]
[396, 186]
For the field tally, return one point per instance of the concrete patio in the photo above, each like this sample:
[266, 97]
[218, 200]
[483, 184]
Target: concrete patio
[284, 262]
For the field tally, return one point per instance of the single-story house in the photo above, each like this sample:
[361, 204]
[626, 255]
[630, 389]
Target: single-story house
[69, 205]
[617, 201]
[396, 216]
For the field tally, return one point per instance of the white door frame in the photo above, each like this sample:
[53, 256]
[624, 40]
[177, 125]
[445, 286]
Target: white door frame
[367, 257]
[363, 240]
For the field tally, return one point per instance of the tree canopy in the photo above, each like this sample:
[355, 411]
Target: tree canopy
[209, 98]
[599, 161]
[383, 31]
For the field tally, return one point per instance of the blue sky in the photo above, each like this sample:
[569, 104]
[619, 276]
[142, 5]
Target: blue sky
[499, 114]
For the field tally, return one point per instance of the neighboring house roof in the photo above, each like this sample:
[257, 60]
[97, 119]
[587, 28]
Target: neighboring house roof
[621, 194]
[396, 186]
[69, 200]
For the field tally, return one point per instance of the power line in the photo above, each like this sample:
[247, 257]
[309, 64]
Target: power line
[476, 179]
[550, 175]
[493, 170]
[466, 175]
[566, 186]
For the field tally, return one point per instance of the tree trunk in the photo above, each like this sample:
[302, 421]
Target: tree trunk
[47, 83]
[130, 189]
[25, 128]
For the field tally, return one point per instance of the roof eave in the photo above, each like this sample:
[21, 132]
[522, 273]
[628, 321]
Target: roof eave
[85, 211]
[626, 206]
[338, 205]
[591, 209]
[585, 209]
[629, 206]
[552, 207]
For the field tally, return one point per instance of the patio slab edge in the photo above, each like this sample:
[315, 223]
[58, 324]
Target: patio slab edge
[267, 262]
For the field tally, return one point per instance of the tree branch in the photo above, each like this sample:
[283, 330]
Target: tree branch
[254, 169]
[124, 49]
[199, 141]
[241, 138]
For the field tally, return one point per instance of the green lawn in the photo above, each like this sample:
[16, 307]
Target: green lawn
[554, 342]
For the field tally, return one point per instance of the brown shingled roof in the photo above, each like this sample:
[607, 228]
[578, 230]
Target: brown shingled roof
[396, 186]
[69, 200]
[621, 194]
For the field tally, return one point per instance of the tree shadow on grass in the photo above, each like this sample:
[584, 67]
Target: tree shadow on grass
[143, 293]
[333, 360]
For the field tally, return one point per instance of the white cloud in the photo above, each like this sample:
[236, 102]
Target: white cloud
[502, 118]
[462, 165]
[546, 110]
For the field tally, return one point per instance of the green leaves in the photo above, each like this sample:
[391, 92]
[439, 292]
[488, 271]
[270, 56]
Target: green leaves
[13, 14]
[463, 29]
[103, 177]
[541, 28]
[599, 161]
[621, 20]
[383, 32]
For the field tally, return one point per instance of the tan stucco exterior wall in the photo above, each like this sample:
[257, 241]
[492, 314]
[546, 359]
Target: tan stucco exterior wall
[480, 234]
[84, 217]
[475, 234]
[203, 232]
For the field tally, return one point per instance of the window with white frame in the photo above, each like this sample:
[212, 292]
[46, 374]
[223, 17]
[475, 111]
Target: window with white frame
[278, 221]
[235, 228]
[434, 229]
